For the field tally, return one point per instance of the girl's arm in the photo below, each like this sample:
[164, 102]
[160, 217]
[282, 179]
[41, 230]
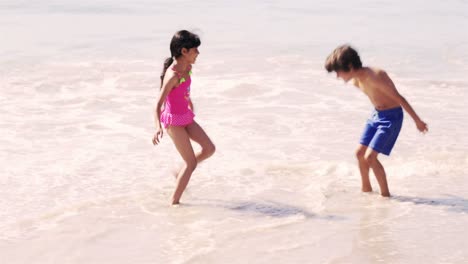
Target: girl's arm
[191, 105]
[170, 81]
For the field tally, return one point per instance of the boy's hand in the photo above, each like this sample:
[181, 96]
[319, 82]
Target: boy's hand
[422, 127]
[157, 136]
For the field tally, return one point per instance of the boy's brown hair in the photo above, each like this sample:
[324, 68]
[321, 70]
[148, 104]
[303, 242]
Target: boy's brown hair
[343, 58]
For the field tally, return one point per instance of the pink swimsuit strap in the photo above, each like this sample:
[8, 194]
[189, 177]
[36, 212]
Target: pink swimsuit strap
[179, 75]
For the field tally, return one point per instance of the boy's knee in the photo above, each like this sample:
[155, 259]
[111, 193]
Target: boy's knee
[371, 159]
[360, 153]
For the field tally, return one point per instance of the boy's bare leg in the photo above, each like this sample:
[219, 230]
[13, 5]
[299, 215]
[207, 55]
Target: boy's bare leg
[379, 172]
[363, 168]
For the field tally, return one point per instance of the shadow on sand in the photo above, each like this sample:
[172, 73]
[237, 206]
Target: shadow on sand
[267, 208]
[452, 202]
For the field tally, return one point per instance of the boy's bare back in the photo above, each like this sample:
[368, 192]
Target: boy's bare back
[380, 89]
[383, 126]
[374, 82]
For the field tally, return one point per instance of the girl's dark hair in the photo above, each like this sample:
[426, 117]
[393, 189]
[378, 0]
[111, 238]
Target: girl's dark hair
[181, 39]
[343, 58]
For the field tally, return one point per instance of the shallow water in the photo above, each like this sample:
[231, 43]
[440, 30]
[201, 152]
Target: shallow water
[81, 182]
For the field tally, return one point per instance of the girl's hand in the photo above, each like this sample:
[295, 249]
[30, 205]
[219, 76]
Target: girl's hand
[157, 136]
[422, 127]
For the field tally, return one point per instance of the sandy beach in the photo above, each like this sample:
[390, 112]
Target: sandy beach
[81, 181]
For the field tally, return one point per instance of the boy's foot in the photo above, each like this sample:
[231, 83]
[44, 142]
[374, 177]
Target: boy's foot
[366, 189]
[386, 194]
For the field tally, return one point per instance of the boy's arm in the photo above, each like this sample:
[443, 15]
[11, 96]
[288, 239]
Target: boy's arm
[388, 87]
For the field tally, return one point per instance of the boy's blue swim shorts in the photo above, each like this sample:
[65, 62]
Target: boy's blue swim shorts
[382, 129]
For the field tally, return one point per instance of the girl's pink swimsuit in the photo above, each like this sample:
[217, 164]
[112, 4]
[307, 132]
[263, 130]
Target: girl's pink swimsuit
[176, 107]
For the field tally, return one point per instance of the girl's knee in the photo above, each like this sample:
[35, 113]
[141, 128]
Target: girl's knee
[191, 164]
[212, 149]
[209, 149]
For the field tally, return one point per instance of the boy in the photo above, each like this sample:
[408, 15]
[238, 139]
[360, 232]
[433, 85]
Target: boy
[383, 127]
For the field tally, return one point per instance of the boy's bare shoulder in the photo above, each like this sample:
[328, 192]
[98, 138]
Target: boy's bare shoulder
[377, 72]
[378, 75]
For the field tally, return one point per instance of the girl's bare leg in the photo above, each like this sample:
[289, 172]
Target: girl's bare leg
[197, 134]
[181, 140]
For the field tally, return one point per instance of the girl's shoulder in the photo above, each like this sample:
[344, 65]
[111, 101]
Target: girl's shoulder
[182, 75]
[179, 72]
[171, 78]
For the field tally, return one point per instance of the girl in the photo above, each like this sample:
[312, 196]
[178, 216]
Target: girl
[177, 114]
